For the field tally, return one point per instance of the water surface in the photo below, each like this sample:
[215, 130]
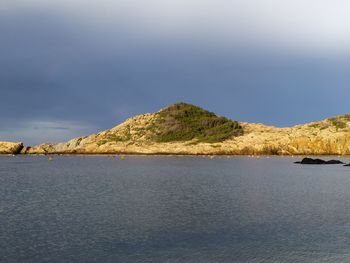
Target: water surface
[172, 209]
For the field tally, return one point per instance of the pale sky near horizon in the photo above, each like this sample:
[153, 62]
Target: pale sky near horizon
[71, 68]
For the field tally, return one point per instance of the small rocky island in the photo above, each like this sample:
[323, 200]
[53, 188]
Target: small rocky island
[183, 128]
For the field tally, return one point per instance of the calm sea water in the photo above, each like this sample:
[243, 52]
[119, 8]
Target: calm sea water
[172, 209]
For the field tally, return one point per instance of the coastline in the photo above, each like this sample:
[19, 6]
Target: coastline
[201, 133]
[175, 154]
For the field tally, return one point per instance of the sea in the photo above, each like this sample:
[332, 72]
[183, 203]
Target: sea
[173, 209]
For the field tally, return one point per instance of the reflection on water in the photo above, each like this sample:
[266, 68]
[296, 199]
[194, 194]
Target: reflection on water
[172, 209]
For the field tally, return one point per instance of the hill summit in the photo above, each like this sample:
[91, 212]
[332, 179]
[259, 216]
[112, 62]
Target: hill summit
[179, 122]
[184, 122]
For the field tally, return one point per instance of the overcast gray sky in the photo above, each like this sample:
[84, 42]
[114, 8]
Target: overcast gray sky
[71, 68]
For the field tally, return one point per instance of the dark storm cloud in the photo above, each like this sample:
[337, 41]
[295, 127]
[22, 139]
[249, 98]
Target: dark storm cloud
[63, 77]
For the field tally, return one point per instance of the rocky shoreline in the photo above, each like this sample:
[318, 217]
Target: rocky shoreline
[168, 149]
[11, 147]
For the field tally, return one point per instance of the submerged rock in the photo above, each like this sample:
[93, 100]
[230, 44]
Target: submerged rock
[318, 161]
[334, 162]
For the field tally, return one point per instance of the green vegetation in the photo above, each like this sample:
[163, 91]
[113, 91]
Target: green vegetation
[184, 122]
[338, 122]
[314, 125]
[111, 137]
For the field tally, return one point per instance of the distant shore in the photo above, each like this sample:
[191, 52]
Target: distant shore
[184, 129]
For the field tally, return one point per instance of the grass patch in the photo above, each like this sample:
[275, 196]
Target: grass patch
[338, 123]
[184, 122]
[314, 125]
[346, 117]
[126, 136]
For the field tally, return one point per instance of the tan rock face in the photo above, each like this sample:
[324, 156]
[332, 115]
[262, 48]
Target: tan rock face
[134, 136]
[10, 147]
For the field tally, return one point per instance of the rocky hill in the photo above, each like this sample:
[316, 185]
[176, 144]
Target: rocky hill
[186, 129]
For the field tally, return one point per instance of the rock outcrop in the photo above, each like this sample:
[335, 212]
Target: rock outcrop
[318, 161]
[10, 147]
[150, 133]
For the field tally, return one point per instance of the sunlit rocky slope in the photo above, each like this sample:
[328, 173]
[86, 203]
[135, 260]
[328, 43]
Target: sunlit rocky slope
[186, 129]
[10, 147]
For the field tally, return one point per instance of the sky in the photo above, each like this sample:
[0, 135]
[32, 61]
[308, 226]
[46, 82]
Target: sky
[71, 67]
